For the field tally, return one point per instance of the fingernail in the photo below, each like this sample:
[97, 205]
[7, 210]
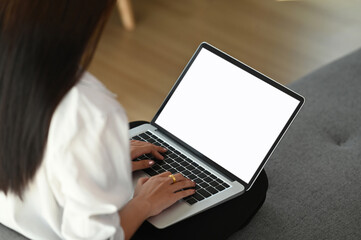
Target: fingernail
[164, 149]
[151, 163]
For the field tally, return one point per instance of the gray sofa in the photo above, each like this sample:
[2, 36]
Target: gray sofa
[315, 173]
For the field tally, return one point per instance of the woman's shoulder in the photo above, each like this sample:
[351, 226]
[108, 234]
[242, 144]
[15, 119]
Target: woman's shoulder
[88, 140]
[88, 113]
[89, 94]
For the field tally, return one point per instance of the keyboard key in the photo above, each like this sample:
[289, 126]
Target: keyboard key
[175, 164]
[156, 167]
[161, 171]
[196, 171]
[207, 172]
[186, 172]
[202, 175]
[149, 156]
[186, 198]
[144, 136]
[151, 172]
[220, 187]
[192, 176]
[161, 162]
[182, 163]
[180, 168]
[156, 139]
[208, 179]
[168, 160]
[137, 138]
[191, 200]
[213, 183]
[198, 196]
[219, 180]
[167, 167]
[190, 167]
[211, 190]
[188, 160]
[194, 164]
[201, 168]
[212, 176]
[185, 164]
[225, 185]
[204, 185]
[204, 193]
[198, 180]
[187, 176]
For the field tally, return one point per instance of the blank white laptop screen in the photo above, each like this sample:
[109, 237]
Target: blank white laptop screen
[227, 114]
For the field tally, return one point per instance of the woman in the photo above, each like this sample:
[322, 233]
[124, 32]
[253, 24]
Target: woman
[65, 169]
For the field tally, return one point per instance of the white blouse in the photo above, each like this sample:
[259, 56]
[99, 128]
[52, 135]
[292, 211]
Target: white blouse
[85, 175]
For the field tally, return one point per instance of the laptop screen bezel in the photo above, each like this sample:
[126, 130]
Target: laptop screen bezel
[255, 73]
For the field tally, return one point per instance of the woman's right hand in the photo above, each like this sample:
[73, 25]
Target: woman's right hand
[160, 192]
[151, 197]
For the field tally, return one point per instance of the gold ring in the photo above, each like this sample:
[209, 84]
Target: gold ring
[172, 177]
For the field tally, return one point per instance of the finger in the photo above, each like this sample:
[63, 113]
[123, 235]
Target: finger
[139, 148]
[165, 177]
[157, 155]
[161, 149]
[157, 150]
[164, 174]
[143, 180]
[138, 165]
[177, 178]
[183, 185]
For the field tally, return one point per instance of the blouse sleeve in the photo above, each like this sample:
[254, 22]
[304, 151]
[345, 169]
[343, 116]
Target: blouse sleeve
[93, 177]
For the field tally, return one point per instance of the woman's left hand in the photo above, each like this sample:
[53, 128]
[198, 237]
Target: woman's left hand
[138, 148]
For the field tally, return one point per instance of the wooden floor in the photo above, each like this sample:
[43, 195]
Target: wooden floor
[283, 39]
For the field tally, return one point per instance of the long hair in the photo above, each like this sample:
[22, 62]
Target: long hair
[44, 48]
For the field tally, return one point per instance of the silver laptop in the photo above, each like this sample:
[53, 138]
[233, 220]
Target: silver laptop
[220, 122]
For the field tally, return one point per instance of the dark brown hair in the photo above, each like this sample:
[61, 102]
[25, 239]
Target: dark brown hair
[44, 48]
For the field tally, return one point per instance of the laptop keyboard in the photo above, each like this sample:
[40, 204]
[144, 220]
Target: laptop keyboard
[207, 184]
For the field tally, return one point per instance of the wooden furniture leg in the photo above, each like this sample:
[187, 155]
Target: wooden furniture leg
[126, 13]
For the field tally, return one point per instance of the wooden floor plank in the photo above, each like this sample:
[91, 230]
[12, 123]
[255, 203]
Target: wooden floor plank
[282, 39]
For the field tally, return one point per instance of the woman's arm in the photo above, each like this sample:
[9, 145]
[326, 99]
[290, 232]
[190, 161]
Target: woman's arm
[132, 216]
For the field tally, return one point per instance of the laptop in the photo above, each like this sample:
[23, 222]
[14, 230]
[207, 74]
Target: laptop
[220, 122]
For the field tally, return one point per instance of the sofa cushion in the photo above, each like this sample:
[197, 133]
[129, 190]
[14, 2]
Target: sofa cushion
[315, 173]
[8, 234]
